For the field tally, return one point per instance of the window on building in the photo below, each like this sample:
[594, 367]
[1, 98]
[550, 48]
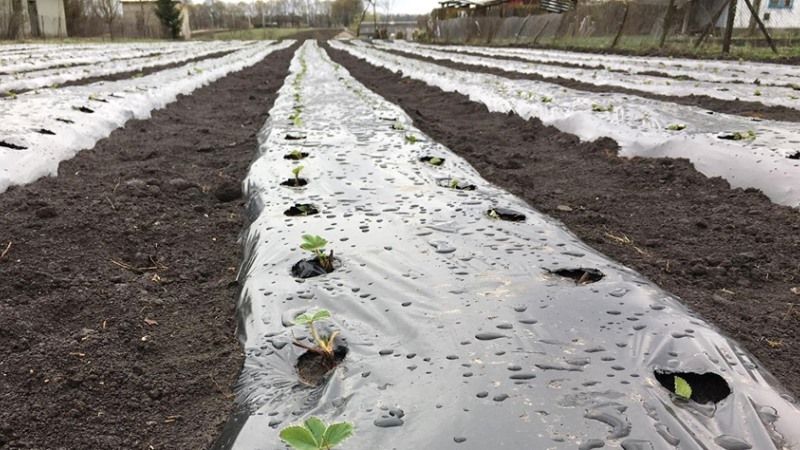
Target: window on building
[780, 4]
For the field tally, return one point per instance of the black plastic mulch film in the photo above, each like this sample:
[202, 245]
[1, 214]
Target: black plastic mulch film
[462, 330]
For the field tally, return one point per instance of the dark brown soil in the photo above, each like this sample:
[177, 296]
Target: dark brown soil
[730, 254]
[738, 107]
[117, 294]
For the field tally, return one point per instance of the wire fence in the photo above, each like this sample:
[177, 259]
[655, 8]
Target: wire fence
[670, 25]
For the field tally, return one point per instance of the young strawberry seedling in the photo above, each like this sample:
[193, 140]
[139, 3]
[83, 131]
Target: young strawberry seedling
[296, 181]
[315, 435]
[295, 155]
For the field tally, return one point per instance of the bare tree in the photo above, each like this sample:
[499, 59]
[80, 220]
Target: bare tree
[109, 11]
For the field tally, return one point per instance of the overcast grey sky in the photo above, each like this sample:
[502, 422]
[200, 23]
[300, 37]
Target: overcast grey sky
[412, 6]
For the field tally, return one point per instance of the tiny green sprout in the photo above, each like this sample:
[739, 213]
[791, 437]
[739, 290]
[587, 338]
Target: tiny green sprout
[749, 135]
[10, 94]
[435, 161]
[296, 172]
[411, 139]
[682, 388]
[493, 214]
[324, 344]
[546, 99]
[315, 435]
[596, 107]
[757, 92]
[296, 119]
[677, 127]
[198, 70]
[453, 183]
[296, 154]
[398, 126]
[316, 245]
[795, 86]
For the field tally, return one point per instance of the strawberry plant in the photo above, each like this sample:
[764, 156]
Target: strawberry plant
[315, 435]
[295, 155]
[316, 245]
[324, 344]
[596, 107]
[676, 127]
[682, 388]
[411, 139]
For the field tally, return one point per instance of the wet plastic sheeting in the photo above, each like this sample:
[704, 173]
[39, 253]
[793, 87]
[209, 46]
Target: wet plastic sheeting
[736, 89]
[460, 333]
[638, 124]
[78, 116]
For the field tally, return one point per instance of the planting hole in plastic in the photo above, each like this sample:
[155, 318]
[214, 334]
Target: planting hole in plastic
[301, 209]
[314, 367]
[506, 214]
[706, 387]
[580, 275]
[309, 268]
[450, 184]
[45, 131]
[295, 182]
[83, 109]
[64, 120]
[12, 146]
[296, 156]
[294, 136]
[795, 155]
[432, 160]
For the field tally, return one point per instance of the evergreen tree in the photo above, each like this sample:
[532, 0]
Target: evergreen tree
[170, 16]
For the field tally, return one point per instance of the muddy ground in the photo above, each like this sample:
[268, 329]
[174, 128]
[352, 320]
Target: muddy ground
[730, 254]
[742, 108]
[117, 292]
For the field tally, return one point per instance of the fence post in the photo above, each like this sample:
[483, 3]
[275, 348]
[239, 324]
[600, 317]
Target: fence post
[754, 13]
[710, 25]
[726, 41]
[665, 25]
[621, 25]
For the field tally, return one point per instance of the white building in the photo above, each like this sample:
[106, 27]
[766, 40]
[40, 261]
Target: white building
[32, 18]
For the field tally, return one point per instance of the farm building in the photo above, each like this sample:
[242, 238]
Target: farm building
[32, 18]
[139, 20]
[776, 14]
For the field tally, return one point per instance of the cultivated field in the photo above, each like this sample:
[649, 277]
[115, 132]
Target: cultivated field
[205, 244]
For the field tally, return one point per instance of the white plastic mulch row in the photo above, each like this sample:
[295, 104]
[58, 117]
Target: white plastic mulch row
[717, 71]
[52, 76]
[58, 111]
[458, 336]
[639, 125]
[45, 56]
[768, 95]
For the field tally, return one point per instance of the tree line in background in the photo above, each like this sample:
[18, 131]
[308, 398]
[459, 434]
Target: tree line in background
[215, 14]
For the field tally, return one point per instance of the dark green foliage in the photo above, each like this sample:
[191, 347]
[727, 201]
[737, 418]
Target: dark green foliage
[169, 14]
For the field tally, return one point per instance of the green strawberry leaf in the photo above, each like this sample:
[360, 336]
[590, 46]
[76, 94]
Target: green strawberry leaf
[682, 388]
[299, 438]
[336, 433]
[316, 427]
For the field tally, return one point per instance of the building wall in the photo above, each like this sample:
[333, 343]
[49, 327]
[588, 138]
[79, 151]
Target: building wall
[49, 21]
[775, 14]
[51, 18]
